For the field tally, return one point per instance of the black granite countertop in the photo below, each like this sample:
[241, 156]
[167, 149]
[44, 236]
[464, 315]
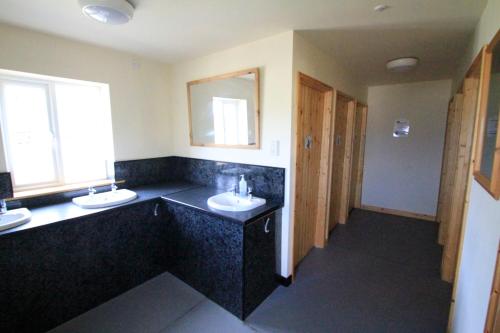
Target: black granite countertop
[49, 214]
[185, 193]
[197, 198]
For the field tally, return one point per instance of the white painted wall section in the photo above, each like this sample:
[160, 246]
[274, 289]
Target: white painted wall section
[139, 90]
[482, 227]
[404, 173]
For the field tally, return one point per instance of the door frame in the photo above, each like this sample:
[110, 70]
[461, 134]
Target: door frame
[357, 178]
[345, 190]
[325, 170]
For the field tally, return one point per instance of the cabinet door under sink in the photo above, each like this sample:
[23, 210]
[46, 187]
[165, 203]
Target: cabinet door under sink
[260, 261]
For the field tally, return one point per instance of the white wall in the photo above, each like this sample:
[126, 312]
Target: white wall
[477, 262]
[138, 87]
[273, 57]
[483, 33]
[149, 98]
[278, 58]
[404, 173]
[482, 227]
[310, 60]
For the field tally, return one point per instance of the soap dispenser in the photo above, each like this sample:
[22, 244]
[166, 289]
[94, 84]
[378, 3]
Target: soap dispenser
[243, 186]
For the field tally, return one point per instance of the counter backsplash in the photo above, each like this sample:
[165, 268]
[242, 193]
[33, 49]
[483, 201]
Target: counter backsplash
[266, 182]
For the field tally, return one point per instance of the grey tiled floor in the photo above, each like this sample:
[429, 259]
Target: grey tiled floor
[379, 273]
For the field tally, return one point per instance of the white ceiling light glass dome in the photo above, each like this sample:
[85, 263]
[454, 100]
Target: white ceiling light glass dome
[402, 64]
[108, 11]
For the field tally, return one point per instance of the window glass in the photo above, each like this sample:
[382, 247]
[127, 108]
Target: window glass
[84, 131]
[55, 131]
[230, 121]
[28, 133]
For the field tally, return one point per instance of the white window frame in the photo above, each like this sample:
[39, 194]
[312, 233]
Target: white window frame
[49, 82]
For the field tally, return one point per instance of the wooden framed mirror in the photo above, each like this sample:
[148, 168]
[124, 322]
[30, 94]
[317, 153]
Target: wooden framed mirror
[487, 159]
[224, 110]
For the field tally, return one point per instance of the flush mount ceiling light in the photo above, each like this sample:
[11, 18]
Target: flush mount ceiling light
[108, 11]
[402, 64]
[380, 8]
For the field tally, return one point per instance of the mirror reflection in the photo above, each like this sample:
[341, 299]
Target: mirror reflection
[493, 109]
[224, 110]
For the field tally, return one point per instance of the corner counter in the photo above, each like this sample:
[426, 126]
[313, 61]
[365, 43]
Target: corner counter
[67, 260]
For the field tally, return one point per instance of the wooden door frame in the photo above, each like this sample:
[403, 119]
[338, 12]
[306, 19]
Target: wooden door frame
[321, 224]
[358, 177]
[347, 162]
[476, 67]
[449, 164]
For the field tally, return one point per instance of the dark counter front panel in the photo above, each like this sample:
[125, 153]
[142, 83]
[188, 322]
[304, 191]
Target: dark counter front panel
[231, 263]
[207, 254]
[260, 262]
[54, 273]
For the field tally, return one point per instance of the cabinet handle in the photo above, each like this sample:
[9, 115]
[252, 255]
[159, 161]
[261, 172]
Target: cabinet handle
[266, 226]
[156, 209]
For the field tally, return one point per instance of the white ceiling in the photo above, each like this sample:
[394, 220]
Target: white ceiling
[171, 30]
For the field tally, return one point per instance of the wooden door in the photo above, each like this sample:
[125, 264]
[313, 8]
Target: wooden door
[342, 159]
[358, 154]
[454, 219]
[314, 116]
[450, 156]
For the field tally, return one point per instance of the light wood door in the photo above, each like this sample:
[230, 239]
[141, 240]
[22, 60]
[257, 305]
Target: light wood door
[314, 114]
[342, 159]
[358, 154]
[450, 158]
[457, 192]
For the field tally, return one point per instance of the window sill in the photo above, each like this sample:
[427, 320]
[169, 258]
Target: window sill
[64, 188]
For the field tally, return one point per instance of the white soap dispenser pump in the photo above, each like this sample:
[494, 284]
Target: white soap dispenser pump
[243, 186]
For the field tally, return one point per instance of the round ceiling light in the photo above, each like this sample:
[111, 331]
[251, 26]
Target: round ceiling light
[108, 11]
[402, 64]
[380, 8]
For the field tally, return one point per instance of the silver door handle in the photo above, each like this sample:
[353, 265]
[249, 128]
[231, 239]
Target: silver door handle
[266, 226]
[155, 212]
[308, 142]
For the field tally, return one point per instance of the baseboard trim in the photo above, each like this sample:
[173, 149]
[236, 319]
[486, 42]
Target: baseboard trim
[284, 281]
[419, 216]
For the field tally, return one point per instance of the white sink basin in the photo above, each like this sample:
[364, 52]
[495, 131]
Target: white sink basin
[14, 217]
[229, 202]
[105, 199]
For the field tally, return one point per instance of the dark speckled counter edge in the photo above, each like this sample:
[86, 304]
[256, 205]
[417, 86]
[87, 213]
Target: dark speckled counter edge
[197, 198]
[50, 214]
[47, 215]
[269, 208]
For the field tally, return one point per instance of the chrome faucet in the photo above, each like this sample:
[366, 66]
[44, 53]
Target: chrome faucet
[232, 189]
[92, 191]
[3, 206]
[114, 187]
[249, 193]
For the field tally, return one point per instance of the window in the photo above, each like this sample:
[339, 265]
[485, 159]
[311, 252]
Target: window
[55, 131]
[230, 121]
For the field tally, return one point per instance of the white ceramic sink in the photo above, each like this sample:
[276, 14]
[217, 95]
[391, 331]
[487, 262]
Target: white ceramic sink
[14, 217]
[105, 199]
[229, 202]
